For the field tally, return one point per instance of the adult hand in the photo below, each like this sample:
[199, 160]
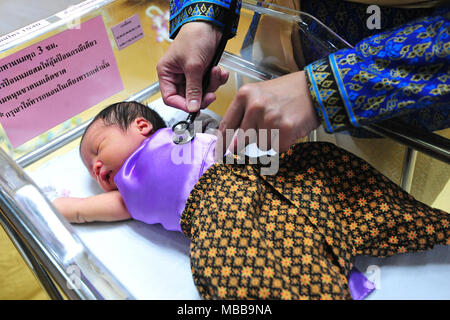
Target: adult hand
[283, 103]
[181, 69]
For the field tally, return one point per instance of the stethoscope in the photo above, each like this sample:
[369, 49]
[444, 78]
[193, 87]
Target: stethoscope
[181, 131]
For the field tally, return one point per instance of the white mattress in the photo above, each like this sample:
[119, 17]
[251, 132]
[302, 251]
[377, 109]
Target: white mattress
[154, 263]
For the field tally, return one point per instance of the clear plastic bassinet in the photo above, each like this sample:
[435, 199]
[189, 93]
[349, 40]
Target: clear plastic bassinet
[130, 260]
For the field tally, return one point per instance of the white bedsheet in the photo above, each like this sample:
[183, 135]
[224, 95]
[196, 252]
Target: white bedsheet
[154, 263]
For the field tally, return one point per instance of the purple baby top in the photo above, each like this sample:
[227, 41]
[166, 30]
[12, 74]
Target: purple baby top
[155, 181]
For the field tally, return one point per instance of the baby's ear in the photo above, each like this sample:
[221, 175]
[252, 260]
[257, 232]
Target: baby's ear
[144, 126]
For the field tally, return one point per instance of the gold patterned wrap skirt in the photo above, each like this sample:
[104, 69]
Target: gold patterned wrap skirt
[294, 235]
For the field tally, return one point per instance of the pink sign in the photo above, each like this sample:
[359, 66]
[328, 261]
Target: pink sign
[127, 32]
[55, 79]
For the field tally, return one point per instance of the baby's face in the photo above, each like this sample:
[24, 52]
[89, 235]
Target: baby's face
[105, 148]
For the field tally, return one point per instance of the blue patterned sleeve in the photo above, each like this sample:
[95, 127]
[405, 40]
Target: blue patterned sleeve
[392, 73]
[212, 11]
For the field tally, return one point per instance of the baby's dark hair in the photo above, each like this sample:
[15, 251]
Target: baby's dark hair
[122, 114]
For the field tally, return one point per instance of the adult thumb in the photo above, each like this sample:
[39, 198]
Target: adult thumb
[194, 92]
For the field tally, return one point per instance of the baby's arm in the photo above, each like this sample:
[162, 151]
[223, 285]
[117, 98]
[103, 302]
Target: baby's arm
[103, 207]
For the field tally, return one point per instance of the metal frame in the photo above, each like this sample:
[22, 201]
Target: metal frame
[51, 248]
[34, 265]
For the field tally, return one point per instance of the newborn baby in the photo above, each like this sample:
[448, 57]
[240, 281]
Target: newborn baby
[129, 151]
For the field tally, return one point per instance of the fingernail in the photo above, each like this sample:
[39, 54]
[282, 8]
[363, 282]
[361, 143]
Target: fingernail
[193, 105]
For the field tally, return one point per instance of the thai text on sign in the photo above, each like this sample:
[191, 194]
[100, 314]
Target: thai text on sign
[55, 79]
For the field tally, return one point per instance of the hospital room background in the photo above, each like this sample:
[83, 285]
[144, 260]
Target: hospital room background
[26, 23]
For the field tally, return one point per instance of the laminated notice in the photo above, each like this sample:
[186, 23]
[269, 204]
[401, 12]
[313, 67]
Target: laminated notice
[56, 79]
[127, 32]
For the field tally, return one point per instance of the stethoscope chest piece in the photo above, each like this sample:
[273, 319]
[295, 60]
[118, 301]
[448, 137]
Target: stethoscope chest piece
[182, 134]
